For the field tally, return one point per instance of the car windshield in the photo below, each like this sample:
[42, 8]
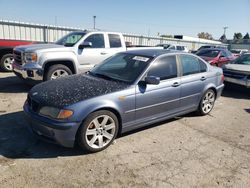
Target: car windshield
[242, 60]
[235, 51]
[122, 67]
[208, 53]
[71, 39]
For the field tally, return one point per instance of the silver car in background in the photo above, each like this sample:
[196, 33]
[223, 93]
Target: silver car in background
[129, 90]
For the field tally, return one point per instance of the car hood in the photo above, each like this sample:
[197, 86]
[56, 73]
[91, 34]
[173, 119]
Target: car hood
[72, 89]
[36, 47]
[237, 68]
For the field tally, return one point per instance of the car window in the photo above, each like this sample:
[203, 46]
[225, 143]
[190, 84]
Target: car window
[97, 40]
[203, 66]
[244, 60]
[178, 48]
[191, 65]
[223, 54]
[114, 41]
[165, 68]
[208, 53]
[171, 48]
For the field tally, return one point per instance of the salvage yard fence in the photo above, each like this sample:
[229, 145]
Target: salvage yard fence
[13, 30]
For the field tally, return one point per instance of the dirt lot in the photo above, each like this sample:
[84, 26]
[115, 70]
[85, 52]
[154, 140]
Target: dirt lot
[189, 151]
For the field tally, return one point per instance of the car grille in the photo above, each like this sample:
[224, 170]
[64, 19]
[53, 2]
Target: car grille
[236, 75]
[17, 57]
[34, 106]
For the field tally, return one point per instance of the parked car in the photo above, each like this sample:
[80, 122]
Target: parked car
[127, 91]
[76, 52]
[173, 47]
[238, 52]
[216, 56]
[238, 71]
[6, 53]
[208, 47]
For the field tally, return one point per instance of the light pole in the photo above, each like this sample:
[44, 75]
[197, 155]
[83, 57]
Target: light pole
[225, 28]
[94, 17]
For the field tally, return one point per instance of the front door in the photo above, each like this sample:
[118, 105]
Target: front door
[90, 56]
[157, 101]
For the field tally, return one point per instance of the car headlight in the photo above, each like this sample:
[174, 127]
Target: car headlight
[30, 57]
[55, 113]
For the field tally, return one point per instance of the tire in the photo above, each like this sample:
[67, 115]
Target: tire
[6, 63]
[98, 131]
[207, 102]
[57, 71]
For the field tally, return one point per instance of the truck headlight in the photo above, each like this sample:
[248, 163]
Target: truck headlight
[30, 57]
[55, 113]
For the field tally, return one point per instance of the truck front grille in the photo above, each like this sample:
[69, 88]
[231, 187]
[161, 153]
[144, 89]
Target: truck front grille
[17, 57]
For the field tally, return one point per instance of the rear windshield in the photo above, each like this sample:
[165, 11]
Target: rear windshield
[208, 53]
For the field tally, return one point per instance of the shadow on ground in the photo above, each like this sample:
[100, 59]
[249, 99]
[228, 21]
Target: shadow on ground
[13, 84]
[16, 141]
[236, 91]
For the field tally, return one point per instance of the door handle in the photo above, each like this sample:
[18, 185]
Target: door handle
[176, 84]
[203, 78]
[103, 53]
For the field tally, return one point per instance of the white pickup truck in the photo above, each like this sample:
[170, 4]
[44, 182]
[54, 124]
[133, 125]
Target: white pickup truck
[76, 52]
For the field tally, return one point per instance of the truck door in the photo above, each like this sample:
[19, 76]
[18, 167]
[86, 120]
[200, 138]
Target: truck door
[90, 56]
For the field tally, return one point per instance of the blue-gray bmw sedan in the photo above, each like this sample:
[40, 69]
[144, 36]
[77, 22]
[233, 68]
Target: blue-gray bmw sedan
[127, 91]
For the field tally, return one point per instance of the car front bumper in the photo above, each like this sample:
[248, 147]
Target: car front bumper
[62, 133]
[28, 73]
[244, 81]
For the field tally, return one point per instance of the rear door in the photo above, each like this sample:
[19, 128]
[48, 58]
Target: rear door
[156, 101]
[192, 81]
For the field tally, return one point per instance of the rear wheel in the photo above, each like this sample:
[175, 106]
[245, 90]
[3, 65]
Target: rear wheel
[98, 131]
[6, 63]
[207, 102]
[57, 71]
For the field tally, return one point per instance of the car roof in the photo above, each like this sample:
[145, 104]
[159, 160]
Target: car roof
[153, 52]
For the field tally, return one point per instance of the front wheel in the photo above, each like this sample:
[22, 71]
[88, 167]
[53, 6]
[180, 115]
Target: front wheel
[98, 131]
[6, 62]
[207, 102]
[57, 71]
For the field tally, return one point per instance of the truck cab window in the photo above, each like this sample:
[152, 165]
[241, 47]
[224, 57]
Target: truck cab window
[114, 41]
[97, 40]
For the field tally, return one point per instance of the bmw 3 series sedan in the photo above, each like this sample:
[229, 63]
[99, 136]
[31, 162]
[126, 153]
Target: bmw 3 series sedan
[127, 91]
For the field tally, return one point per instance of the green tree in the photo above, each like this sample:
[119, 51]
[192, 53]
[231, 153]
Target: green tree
[223, 37]
[237, 36]
[246, 36]
[205, 35]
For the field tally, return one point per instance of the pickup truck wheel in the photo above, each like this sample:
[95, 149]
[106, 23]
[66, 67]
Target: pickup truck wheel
[6, 63]
[98, 131]
[57, 71]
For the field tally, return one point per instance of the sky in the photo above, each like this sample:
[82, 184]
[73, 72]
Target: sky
[148, 17]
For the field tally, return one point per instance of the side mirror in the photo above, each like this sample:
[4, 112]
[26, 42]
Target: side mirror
[221, 57]
[152, 80]
[85, 45]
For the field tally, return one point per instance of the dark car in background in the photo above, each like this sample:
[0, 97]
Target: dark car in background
[238, 71]
[129, 90]
[216, 56]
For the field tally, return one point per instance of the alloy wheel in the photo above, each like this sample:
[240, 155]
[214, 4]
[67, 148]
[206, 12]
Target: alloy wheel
[208, 102]
[100, 131]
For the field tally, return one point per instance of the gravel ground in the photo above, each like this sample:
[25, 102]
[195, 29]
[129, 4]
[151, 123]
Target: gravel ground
[188, 151]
